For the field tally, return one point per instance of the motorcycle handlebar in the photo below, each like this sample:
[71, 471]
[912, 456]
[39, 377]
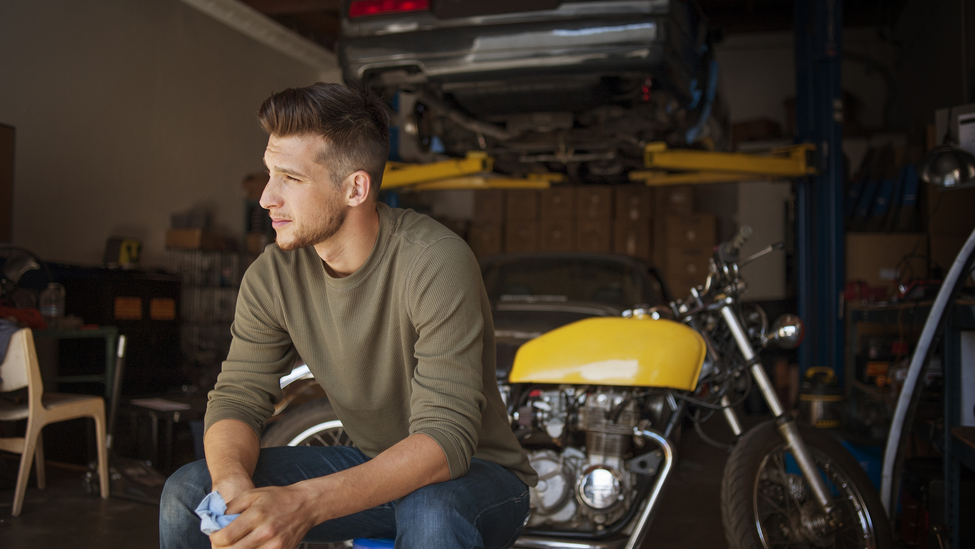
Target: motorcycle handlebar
[728, 252]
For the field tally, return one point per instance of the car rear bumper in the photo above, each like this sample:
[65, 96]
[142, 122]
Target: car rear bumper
[651, 43]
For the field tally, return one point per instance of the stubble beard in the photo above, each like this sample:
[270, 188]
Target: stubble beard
[325, 228]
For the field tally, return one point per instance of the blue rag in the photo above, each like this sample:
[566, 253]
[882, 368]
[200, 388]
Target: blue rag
[211, 511]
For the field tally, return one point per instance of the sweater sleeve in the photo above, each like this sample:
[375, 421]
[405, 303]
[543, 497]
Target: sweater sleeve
[447, 396]
[261, 351]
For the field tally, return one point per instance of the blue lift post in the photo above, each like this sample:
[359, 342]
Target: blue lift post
[819, 200]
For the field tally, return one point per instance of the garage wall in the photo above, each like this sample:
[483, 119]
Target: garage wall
[928, 55]
[758, 73]
[127, 112]
[936, 57]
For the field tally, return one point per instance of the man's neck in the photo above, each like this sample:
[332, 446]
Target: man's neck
[349, 248]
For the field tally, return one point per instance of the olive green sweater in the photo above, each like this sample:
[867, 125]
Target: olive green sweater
[404, 345]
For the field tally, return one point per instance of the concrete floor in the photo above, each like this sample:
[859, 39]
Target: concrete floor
[65, 516]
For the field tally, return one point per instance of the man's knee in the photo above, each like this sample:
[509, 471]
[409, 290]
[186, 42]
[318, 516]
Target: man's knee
[435, 516]
[463, 514]
[185, 488]
[178, 524]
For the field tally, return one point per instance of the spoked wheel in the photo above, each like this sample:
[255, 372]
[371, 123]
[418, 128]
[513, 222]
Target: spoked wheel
[767, 504]
[311, 424]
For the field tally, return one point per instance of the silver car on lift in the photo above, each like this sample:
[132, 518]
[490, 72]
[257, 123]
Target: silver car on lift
[571, 86]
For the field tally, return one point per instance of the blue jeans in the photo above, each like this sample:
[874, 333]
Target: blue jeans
[486, 508]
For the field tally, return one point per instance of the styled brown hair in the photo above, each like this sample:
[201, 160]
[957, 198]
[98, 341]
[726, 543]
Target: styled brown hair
[354, 126]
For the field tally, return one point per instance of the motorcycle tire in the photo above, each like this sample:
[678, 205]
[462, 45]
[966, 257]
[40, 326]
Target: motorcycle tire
[311, 424]
[763, 493]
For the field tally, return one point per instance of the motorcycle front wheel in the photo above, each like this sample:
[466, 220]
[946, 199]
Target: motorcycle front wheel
[766, 503]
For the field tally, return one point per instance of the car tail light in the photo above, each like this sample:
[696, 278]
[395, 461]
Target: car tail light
[364, 8]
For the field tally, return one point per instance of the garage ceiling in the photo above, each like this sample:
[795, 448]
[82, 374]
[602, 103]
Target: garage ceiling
[318, 20]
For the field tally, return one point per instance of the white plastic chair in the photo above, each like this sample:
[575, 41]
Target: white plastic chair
[19, 370]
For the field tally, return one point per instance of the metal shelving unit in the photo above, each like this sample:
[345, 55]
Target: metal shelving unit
[211, 281]
[956, 442]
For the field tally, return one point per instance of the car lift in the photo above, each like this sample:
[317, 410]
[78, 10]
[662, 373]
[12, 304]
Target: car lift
[684, 166]
[472, 172]
[667, 167]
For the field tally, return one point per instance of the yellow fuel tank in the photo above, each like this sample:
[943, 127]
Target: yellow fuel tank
[613, 351]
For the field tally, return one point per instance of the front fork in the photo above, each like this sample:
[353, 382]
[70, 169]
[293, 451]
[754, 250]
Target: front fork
[787, 424]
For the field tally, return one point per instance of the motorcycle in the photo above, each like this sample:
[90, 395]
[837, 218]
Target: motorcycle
[598, 405]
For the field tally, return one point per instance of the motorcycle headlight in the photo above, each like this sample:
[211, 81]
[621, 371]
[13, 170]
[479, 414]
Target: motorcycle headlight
[787, 332]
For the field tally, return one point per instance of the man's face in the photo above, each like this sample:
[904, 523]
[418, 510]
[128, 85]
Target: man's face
[305, 206]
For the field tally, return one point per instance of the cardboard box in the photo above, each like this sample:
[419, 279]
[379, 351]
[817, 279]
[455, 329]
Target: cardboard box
[950, 213]
[457, 226]
[521, 205]
[557, 203]
[556, 235]
[689, 262]
[632, 238]
[686, 269]
[521, 236]
[594, 236]
[634, 202]
[486, 238]
[675, 199]
[659, 248]
[680, 287]
[880, 258]
[694, 230]
[760, 129]
[594, 202]
[194, 239]
[489, 206]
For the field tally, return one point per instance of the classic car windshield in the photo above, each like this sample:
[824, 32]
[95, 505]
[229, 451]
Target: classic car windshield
[563, 279]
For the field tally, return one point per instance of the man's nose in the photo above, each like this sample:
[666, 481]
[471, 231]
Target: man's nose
[270, 197]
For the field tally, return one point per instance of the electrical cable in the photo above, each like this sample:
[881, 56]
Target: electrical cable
[708, 405]
[700, 432]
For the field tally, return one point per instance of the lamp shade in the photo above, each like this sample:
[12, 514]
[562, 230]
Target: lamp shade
[17, 265]
[949, 167]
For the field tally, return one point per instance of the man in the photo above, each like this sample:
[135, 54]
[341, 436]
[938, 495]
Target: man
[388, 310]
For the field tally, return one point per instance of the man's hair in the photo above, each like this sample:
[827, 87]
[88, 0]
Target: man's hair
[353, 124]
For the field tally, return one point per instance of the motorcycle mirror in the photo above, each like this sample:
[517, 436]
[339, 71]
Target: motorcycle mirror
[787, 332]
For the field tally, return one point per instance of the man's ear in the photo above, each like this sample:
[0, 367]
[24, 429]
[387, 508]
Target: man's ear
[358, 189]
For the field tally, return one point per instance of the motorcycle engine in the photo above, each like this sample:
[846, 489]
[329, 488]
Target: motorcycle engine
[583, 480]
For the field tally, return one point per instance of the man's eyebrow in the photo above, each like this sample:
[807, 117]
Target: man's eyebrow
[285, 171]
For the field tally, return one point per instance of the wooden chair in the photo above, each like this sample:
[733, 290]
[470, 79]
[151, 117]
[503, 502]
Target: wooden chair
[20, 369]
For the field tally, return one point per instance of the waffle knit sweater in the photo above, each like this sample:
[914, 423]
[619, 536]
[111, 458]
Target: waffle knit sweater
[404, 345]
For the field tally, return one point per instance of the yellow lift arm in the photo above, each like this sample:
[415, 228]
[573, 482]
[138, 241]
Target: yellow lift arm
[472, 172]
[683, 166]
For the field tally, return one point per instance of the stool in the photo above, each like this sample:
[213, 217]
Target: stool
[167, 413]
[168, 418]
[372, 543]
